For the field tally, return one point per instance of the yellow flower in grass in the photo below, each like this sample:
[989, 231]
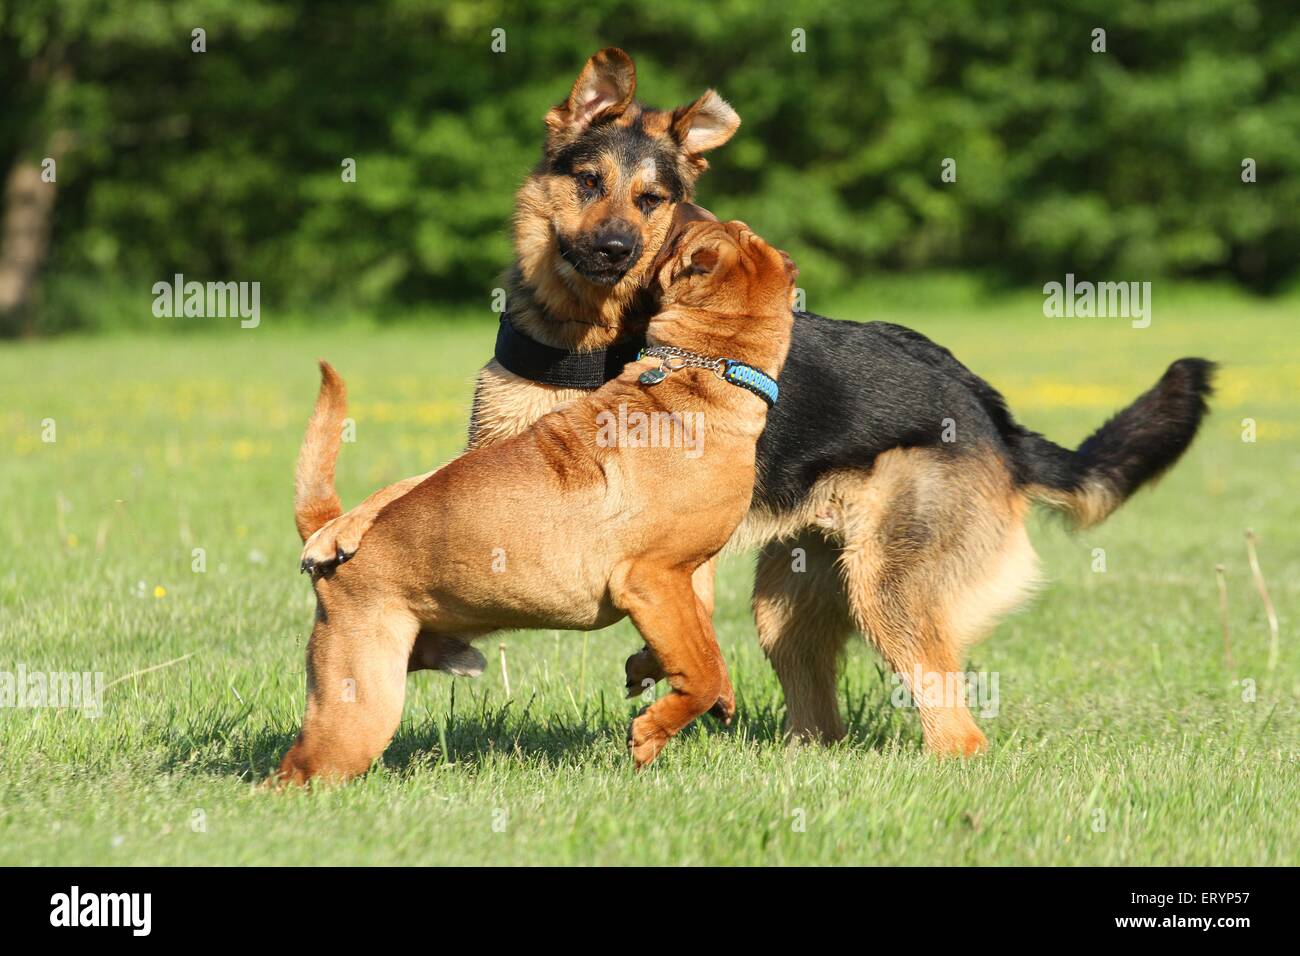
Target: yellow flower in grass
[159, 591]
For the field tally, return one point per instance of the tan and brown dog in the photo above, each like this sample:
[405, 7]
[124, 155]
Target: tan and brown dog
[475, 547]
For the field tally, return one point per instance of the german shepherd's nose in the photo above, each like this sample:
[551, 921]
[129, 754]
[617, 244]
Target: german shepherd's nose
[615, 243]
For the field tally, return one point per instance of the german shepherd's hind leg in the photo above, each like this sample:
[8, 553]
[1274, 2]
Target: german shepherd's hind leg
[803, 623]
[356, 685]
[901, 623]
[664, 608]
[935, 552]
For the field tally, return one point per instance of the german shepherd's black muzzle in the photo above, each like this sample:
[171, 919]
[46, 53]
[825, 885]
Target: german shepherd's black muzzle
[605, 255]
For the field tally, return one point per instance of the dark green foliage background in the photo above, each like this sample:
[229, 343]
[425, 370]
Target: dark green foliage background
[226, 164]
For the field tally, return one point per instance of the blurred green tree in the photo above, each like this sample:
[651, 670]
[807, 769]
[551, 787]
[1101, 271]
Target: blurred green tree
[228, 163]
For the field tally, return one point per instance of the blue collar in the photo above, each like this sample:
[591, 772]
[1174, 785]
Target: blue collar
[739, 374]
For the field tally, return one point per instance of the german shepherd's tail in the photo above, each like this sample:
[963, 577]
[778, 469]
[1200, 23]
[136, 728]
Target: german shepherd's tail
[315, 501]
[1134, 447]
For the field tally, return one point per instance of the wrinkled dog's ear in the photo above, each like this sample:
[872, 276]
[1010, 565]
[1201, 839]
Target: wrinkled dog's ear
[791, 270]
[703, 261]
[604, 89]
[704, 125]
[685, 214]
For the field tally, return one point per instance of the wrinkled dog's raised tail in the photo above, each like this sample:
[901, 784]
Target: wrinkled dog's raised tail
[315, 501]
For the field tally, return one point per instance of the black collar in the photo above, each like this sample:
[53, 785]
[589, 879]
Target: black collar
[530, 359]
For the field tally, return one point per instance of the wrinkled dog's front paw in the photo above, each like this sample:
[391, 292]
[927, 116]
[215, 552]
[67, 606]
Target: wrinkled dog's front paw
[642, 671]
[645, 739]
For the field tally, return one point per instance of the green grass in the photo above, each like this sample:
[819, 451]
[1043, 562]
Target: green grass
[1116, 706]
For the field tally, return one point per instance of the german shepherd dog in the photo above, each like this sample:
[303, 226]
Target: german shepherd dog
[900, 473]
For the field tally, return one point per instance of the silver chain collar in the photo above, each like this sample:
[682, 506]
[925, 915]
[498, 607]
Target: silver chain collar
[672, 358]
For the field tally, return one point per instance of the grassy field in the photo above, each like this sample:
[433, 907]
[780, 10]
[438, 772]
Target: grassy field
[1121, 736]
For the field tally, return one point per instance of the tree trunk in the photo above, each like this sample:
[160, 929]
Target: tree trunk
[24, 242]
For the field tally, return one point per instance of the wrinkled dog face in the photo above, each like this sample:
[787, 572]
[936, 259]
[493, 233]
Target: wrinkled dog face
[613, 170]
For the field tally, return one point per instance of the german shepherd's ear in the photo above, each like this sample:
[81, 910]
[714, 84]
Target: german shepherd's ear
[603, 90]
[704, 125]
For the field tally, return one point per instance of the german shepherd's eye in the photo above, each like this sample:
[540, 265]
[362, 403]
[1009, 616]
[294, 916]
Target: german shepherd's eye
[588, 182]
[649, 202]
